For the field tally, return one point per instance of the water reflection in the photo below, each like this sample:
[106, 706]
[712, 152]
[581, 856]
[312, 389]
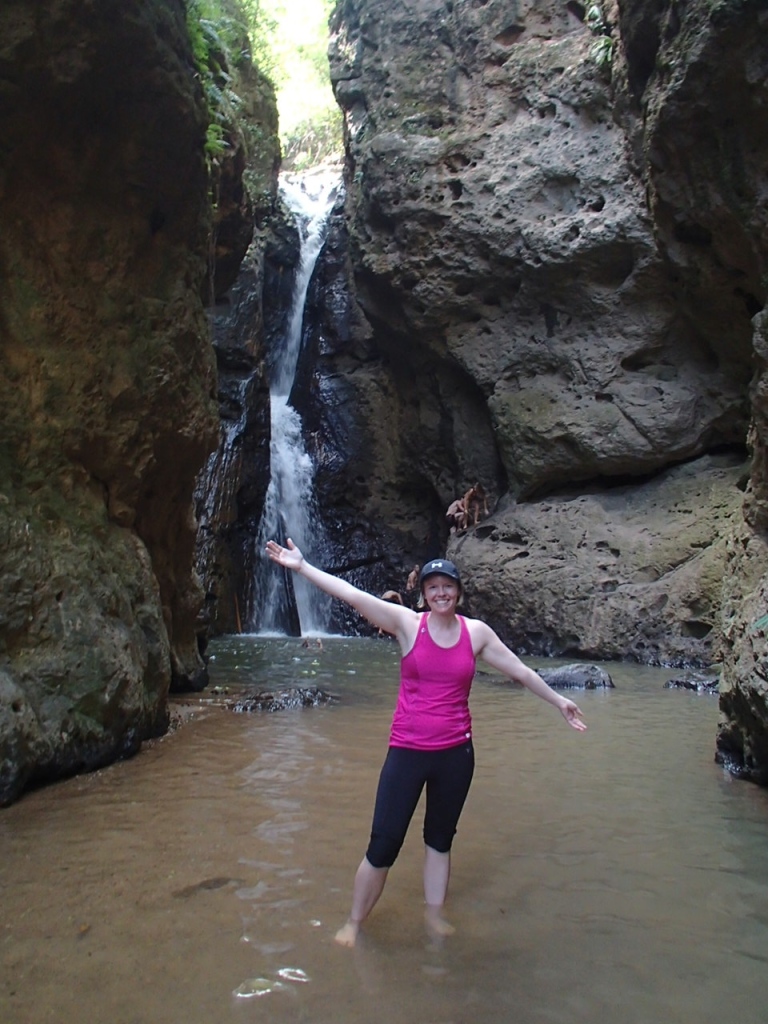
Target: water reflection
[616, 875]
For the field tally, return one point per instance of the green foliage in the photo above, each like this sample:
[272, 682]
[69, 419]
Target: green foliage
[602, 49]
[601, 52]
[313, 141]
[262, 27]
[211, 47]
[310, 121]
[287, 41]
[595, 19]
[218, 28]
[214, 141]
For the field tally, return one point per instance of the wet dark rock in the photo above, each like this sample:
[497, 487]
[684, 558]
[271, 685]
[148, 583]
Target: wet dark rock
[696, 683]
[230, 491]
[577, 677]
[107, 383]
[281, 700]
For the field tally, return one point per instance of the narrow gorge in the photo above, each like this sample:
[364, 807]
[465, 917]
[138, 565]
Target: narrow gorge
[544, 272]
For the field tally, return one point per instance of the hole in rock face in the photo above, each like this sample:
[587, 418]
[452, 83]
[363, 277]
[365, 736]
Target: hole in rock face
[576, 9]
[641, 360]
[509, 35]
[456, 188]
[696, 629]
[550, 318]
[597, 204]
[456, 161]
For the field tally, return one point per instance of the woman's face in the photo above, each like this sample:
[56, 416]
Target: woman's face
[441, 593]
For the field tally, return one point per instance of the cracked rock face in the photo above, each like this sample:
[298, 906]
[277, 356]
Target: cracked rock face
[497, 221]
[631, 573]
[106, 378]
[535, 306]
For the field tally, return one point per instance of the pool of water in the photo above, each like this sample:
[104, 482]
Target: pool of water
[614, 875]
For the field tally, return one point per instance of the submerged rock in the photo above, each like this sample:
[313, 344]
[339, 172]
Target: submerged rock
[577, 677]
[698, 684]
[281, 700]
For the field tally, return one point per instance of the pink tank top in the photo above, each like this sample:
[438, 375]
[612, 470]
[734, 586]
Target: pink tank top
[432, 711]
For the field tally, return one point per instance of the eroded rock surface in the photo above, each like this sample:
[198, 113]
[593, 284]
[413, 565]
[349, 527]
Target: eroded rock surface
[556, 236]
[499, 228]
[577, 677]
[518, 315]
[628, 573]
[107, 379]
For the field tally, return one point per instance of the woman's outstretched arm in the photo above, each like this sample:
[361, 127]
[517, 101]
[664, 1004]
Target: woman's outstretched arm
[393, 618]
[488, 646]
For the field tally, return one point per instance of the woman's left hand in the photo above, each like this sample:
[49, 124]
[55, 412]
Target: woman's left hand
[572, 714]
[289, 557]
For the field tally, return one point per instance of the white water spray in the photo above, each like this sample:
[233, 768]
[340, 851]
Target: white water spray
[289, 508]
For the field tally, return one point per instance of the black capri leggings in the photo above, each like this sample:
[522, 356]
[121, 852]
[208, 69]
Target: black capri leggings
[447, 775]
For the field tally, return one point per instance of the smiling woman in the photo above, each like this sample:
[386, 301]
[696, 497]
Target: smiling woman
[430, 742]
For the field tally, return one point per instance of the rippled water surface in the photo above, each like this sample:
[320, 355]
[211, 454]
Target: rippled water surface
[616, 875]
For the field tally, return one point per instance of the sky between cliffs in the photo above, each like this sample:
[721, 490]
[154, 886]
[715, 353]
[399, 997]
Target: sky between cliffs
[299, 45]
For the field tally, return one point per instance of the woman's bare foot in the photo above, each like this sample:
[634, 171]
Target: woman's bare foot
[436, 923]
[347, 934]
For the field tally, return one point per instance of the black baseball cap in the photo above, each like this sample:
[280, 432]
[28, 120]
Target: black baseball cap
[440, 567]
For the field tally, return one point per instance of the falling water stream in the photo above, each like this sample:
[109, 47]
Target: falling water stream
[289, 508]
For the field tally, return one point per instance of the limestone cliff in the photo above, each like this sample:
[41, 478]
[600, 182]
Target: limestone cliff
[555, 229]
[695, 79]
[107, 378]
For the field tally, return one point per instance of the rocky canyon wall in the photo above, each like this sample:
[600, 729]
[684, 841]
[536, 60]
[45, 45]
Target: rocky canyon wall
[107, 377]
[555, 227]
[547, 275]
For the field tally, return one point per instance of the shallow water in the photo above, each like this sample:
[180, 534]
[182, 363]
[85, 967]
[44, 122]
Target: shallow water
[615, 875]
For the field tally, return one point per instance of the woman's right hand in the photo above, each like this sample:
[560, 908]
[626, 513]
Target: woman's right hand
[289, 558]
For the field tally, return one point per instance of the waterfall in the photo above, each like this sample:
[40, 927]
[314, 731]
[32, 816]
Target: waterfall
[284, 602]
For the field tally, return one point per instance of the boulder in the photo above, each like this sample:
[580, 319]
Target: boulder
[577, 677]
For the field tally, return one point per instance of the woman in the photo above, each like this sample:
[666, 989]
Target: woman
[431, 735]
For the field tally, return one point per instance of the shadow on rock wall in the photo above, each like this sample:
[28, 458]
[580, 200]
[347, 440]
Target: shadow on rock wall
[106, 378]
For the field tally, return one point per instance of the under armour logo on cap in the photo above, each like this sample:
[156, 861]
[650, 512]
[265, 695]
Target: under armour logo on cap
[440, 567]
